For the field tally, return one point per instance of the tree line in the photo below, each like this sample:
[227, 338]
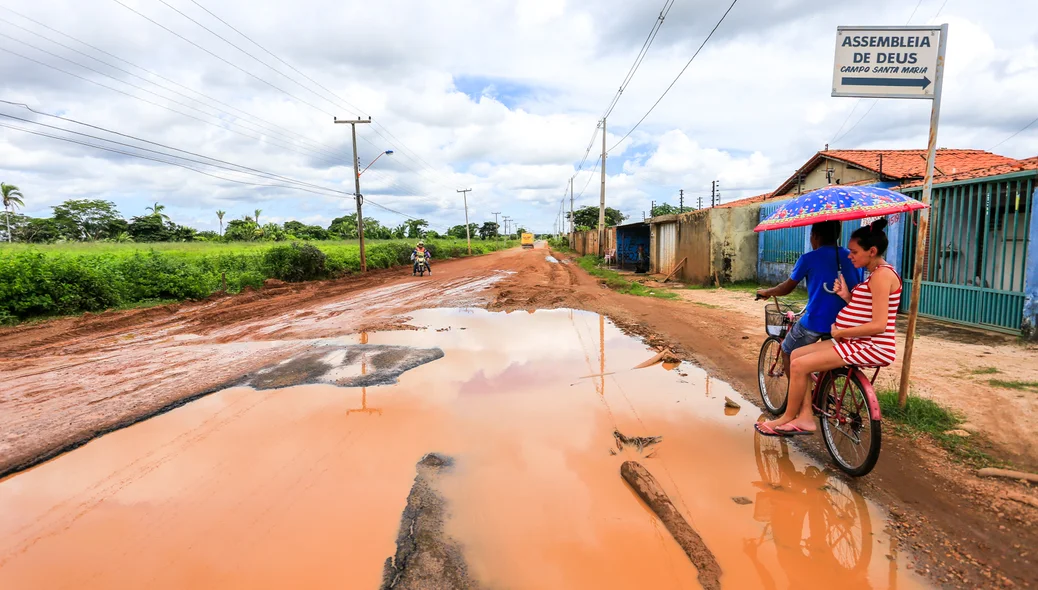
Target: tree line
[89, 220]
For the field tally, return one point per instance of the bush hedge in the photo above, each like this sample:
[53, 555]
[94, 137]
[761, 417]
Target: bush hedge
[48, 282]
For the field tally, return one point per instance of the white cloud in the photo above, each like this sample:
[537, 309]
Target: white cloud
[751, 108]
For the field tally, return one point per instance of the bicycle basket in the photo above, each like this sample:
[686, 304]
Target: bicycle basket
[776, 318]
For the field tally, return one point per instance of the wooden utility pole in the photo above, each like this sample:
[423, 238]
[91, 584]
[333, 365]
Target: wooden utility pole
[468, 237]
[356, 195]
[601, 200]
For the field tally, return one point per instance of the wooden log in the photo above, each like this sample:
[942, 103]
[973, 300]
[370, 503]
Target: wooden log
[650, 491]
[1007, 473]
[675, 269]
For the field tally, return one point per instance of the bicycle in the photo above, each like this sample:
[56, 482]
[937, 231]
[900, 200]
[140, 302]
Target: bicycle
[843, 399]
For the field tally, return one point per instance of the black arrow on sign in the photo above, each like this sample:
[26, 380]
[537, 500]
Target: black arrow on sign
[920, 82]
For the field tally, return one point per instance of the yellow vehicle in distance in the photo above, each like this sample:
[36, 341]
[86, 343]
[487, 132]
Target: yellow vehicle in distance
[527, 241]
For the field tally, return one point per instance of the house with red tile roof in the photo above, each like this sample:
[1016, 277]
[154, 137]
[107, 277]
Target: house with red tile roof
[887, 167]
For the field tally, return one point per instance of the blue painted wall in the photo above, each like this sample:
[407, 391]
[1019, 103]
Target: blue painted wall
[1030, 319]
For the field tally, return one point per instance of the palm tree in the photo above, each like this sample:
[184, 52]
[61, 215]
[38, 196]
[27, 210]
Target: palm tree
[220, 215]
[258, 211]
[12, 198]
[156, 210]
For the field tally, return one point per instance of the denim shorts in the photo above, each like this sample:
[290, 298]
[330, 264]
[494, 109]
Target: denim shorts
[799, 336]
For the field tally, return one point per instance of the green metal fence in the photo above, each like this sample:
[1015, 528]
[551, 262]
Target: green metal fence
[976, 255]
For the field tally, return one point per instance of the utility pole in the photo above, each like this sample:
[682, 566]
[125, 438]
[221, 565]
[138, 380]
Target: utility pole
[465, 197]
[681, 200]
[357, 196]
[601, 200]
[571, 220]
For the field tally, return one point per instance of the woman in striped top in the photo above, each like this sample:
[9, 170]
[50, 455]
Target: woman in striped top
[863, 334]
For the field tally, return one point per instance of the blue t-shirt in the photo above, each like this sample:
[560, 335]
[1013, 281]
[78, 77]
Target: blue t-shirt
[818, 267]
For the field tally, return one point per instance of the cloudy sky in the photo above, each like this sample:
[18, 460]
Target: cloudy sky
[500, 96]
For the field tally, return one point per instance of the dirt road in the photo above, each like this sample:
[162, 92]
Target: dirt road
[67, 381]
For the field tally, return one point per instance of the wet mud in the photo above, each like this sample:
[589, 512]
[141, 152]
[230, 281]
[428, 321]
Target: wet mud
[360, 365]
[310, 485]
[426, 559]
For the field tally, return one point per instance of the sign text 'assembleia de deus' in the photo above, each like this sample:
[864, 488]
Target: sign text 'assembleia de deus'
[886, 62]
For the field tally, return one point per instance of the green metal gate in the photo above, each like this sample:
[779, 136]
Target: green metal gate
[977, 251]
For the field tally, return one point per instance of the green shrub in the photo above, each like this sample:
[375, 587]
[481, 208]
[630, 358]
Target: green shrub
[70, 278]
[294, 263]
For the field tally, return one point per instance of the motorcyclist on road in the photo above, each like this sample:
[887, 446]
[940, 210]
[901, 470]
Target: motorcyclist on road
[420, 250]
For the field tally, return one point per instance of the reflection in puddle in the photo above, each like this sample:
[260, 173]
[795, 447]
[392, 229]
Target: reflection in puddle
[304, 486]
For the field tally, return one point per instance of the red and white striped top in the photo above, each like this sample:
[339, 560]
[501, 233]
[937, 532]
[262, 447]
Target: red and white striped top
[878, 350]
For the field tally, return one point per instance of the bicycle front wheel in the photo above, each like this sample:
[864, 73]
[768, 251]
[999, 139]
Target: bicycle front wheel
[771, 376]
[851, 436]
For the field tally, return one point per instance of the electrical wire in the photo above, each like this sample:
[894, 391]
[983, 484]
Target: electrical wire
[640, 57]
[676, 78]
[1018, 132]
[402, 148]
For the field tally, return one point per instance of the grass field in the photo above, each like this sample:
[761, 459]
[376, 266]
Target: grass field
[63, 279]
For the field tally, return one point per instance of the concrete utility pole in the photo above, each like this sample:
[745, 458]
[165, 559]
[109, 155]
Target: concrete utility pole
[601, 200]
[571, 226]
[357, 196]
[465, 197]
[495, 214]
[681, 200]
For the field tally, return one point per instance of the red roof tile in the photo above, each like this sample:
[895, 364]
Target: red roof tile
[905, 165]
[746, 201]
[997, 170]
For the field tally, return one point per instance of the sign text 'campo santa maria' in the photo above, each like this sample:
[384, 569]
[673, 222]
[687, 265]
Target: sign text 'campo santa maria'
[886, 62]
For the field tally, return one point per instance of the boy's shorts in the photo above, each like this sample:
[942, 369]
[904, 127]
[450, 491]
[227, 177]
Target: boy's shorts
[799, 336]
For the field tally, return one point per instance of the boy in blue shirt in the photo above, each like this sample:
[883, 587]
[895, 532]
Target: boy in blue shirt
[819, 268]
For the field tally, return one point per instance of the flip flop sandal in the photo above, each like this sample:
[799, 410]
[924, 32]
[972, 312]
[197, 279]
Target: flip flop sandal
[795, 430]
[767, 431]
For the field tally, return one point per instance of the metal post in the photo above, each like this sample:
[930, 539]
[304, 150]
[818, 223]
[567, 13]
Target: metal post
[601, 201]
[465, 198]
[681, 200]
[924, 220]
[357, 196]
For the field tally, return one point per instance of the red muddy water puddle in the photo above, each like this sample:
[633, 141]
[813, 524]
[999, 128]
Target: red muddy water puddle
[304, 486]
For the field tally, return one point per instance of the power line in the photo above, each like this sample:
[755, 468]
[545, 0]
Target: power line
[146, 70]
[1018, 132]
[287, 77]
[256, 128]
[321, 155]
[226, 165]
[400, 144]
[233, 65]
[325, 192]
[653, 107]
[656, 25]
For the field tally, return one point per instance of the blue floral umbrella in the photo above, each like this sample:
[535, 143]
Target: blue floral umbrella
[838, 203]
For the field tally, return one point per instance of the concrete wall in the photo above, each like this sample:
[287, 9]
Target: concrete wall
[1029, 325]
[715, 243]
[733, 243]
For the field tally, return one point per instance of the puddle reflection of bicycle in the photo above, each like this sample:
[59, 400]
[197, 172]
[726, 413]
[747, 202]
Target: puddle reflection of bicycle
[820, 528]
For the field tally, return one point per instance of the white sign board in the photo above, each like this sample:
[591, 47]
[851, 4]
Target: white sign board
[886, 62]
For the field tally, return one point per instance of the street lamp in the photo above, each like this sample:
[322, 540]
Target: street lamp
[385, 153]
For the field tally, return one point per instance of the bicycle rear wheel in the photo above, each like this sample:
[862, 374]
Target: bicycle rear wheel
[771, 376]
[851, 436]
